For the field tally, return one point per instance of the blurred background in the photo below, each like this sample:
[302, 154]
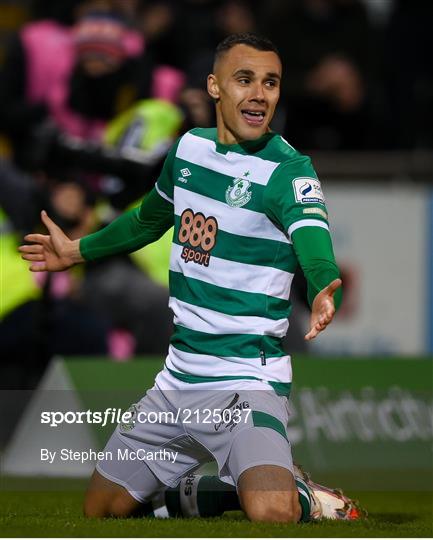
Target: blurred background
[94, 92]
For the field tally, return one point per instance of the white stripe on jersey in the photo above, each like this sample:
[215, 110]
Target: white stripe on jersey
[277, 369]
[202, 152]
[214, 322]
[234, 275]
[306, 223]
[238, 221]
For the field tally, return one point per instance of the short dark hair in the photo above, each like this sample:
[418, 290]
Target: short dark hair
[255, 41]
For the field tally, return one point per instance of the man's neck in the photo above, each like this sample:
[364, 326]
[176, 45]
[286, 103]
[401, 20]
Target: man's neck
[225, 136]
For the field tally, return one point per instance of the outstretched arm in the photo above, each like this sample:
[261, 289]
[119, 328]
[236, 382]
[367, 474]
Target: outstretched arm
[294, 201]
[314, 251]
[134, 229]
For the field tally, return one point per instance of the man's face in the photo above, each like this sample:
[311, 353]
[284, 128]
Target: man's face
[246, 87]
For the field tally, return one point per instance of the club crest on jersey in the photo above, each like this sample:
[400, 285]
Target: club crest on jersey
[238, 194]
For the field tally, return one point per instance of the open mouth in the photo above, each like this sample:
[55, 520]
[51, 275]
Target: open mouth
[254, 118]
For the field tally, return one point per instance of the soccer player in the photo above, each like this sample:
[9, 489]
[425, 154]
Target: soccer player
[247, 208]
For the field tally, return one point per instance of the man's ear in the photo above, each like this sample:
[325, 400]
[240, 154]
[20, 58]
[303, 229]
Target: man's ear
[212, 87]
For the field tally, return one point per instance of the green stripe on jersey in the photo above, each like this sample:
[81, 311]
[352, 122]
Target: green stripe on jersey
[228, 301]
[281, 389]
[196, 379]
[205, 133]
[244, 249]
[225, 345]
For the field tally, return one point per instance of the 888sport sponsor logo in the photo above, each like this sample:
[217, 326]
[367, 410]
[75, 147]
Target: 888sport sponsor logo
[199, 233]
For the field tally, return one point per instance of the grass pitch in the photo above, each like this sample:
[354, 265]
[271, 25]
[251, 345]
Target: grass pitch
[38, 509]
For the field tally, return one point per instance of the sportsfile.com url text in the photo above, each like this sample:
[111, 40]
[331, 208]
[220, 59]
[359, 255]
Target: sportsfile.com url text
[116, 416]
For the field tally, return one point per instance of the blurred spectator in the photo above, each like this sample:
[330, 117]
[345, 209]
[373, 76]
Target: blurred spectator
[409, 74]
[112, 306]
[127, 161]
[198, 107]
[77, 78]
[325, 47]
[142, 135]
[110, 71]
[40, 316]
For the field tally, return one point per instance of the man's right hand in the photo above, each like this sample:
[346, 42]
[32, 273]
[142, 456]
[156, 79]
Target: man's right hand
[53, 252]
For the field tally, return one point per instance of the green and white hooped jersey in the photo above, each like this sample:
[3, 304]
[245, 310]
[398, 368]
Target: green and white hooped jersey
[232, 260]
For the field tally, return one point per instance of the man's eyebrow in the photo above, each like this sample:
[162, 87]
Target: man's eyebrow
[251, 73]
[247, 72]
[273, 75]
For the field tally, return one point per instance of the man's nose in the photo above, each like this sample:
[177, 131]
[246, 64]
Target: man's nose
[258, 92]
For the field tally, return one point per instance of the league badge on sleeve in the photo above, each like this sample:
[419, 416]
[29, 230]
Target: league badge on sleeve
[308, 190]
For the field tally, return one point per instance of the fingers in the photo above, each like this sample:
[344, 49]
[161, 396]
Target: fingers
[333, 286]
[38, 267]
[48, 222]
[37, 238]
[311, 334]
[327, 316]
[315, 331]
[33, 257]
[34, 252]
[320, 325]
[34, 248]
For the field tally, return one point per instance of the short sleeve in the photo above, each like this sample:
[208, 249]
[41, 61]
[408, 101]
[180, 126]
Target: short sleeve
[293, 197]
[165, 185]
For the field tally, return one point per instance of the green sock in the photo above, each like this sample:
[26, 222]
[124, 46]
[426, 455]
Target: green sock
[201, 496]
[208, 496]
[304, 499]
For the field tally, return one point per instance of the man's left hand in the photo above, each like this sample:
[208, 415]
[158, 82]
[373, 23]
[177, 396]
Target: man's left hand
[323, 309]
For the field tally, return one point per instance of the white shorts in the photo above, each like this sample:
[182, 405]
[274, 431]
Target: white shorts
[177, 427]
